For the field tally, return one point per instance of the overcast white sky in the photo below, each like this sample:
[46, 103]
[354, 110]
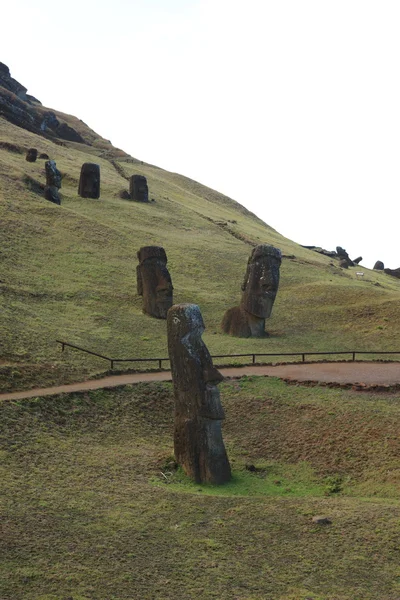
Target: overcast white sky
[291, 107]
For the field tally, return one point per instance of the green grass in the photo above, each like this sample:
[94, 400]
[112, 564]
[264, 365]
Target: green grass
[87, 514]
[69, 272]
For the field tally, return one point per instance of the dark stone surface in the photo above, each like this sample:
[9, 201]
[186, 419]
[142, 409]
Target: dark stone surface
[31, 155]
[198, 443]
[53, 182]
[357, 260]
[65, 132]
[138, 189]
[343, 256]
[344, 263]
[154, 281]
[260, 287]
[89, 181]
[379, 266]
[393, 272]
[44, 156]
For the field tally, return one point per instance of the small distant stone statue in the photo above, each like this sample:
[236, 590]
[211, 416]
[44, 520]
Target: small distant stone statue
[89, 182]
[154, 281]
[138, 189]
[379, 266]
[260, 287]
[357, 260]
[198, 443]
[53, 182]
[31, 155]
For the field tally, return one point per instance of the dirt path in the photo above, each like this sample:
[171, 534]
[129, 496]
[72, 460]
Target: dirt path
[365, 372]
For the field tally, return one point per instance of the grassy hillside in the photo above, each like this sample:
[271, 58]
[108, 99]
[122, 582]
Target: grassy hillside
[87, 512]
[69, 272]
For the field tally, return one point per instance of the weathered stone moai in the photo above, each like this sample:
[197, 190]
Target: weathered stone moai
[138, 189]
[379, 266]
[53, 182]
[259, 287]
[154, 281]
[198, 443]
[31, 155]
[89, 181]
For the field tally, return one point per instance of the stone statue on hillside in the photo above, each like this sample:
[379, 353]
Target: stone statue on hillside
[31, 155]
[260, 287]
[154, 281]
[379, 266]
[138, 189]
[53, 182]
[198, 443]
[89, 182]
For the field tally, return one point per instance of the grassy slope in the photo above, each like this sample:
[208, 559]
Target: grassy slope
[69, 272]
[98, 520]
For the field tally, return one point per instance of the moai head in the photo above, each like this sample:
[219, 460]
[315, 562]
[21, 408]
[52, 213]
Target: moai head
[198, 443]
[138, 189]
[156, 284]
[31, 155]
[89, 182]
[261, 281]
[53, 175]
[53, 182]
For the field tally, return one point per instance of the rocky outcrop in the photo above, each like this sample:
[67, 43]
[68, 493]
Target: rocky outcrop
[393, 272]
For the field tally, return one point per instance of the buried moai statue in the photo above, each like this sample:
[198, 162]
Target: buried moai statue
[53, 182]
[198, 443]
[138, 189]
[154, 281]
[89, 181]
[31, 155]
[259, 287]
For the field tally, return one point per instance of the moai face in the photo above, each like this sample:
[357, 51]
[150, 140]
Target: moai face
[138, 188]
[198, 442]
[156, 284]
[53, 175]
[89, 182]
[261, 281]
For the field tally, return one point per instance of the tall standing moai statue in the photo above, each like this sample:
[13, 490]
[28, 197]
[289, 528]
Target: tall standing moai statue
[89, 181]
[198, 444]
[53, 182]
[259, 288]
[138, 189]
[154, 281]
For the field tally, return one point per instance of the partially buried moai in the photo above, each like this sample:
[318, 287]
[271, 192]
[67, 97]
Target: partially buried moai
[154, 281]
[259, 287]
[89, 181]
[53, 182]
[31, 155]
[138, 189]
[198, 444]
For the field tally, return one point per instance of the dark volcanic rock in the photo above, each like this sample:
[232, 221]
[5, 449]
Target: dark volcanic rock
[198, 443]
[260, 287]
[379, 266]
[138, 189]
[10, 84]
[89, 182]
[393, 272]
[343, 256]
[357, 261]
[31, 155]
[66, 132]
[344, 263]
[44, 156]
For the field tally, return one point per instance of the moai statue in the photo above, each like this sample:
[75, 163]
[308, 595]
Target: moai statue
[379, 266]
[138, 189]
[198, 443]
[260, 287]
[89, 182]
[53, 182]
[154, 281]
[31, 155]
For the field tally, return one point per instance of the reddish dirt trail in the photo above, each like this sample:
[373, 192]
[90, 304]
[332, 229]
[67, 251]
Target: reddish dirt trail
[366, 372]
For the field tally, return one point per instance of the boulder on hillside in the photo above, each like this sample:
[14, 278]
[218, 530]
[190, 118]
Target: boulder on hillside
[393, 272]
[379, 266]
[31, 155]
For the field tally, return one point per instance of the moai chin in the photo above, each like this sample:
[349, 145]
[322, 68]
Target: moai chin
[154, 281]
[138, 189]
[53, 182]
[259, 287]
[198, 443]
[31, 155]
[89, 181]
